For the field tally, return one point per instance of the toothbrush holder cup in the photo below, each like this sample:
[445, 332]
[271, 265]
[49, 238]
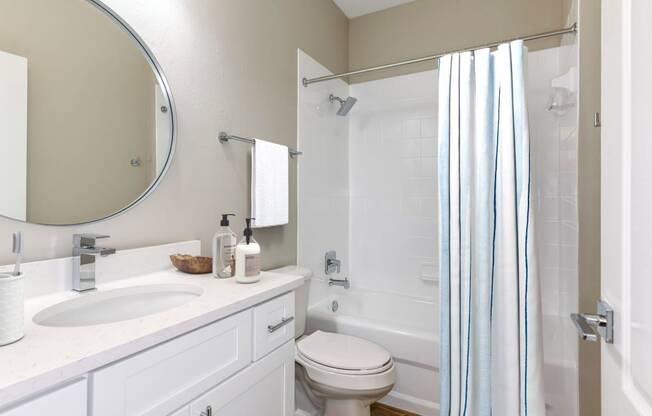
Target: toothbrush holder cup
[12, 308]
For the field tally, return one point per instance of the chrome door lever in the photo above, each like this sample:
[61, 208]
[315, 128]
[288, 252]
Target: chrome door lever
[603, 322]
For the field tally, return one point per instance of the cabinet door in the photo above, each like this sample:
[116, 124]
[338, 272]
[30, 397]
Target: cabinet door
[264, 388]
[159, 380]
[69, 400]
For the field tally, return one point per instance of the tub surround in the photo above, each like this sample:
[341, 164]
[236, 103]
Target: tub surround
[48, 356]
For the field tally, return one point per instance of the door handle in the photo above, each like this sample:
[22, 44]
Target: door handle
[208, 412]
[603, 321]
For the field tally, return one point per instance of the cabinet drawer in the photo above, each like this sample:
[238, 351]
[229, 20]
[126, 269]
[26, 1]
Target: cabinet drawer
[69, 400]
[265, 388]
[273, 324]
[184, 411]
[160, 380]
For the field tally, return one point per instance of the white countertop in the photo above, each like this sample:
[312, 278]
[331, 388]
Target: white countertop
[47, 356]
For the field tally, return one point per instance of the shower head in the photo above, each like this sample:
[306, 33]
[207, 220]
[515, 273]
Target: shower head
[345, 105]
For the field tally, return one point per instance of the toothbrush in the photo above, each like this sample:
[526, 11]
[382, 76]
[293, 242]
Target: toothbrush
[17, 250]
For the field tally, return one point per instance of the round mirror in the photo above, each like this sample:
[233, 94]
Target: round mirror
[87, 121]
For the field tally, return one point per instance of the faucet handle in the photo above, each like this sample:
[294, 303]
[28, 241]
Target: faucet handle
[87, 239]
[332, 264]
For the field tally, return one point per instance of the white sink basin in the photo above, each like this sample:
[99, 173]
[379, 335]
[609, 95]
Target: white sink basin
[117, 305]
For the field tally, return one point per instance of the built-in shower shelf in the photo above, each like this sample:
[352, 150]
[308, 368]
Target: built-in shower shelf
[429, 272]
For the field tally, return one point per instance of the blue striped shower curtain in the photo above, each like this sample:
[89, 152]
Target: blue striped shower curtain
[491, 341]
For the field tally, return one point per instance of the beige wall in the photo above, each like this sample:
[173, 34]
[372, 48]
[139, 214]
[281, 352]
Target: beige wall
[427, 27]
[91, 109]
[232, 65]
[589, 197]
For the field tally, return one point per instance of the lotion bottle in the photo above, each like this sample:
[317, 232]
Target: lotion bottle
[224, 242]
[247, 257]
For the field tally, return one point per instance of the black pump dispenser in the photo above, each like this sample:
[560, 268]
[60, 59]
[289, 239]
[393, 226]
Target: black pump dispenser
[248, 232]
[225, 219]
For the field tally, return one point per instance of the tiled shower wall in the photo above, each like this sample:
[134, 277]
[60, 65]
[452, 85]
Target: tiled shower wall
[392, 173]
[553, 138]
[323, 188]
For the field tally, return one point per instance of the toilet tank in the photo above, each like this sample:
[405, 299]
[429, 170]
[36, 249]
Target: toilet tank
[300, 296]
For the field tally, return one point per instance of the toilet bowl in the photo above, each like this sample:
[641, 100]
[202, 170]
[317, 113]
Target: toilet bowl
[341, 375]
[346, 373]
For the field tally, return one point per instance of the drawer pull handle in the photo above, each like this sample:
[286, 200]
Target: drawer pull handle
[284, 321]
[208, 412]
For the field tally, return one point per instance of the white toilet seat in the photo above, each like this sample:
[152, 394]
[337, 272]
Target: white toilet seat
[375, 370]
[362, 372]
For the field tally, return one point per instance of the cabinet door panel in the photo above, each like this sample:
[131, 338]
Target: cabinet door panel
[160, 380]
[264, 388]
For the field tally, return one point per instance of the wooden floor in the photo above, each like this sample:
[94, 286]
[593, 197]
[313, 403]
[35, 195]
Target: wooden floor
[378, 409]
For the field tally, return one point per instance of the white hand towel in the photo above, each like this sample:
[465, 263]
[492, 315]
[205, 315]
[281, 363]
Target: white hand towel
[269, 184]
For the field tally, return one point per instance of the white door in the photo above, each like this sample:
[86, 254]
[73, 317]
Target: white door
[627, 205]
[13, 136]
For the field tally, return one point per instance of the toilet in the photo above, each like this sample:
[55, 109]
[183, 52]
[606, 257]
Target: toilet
[341, 375]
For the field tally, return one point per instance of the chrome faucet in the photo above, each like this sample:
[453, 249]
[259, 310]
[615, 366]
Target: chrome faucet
[84, 253]
[345, 283]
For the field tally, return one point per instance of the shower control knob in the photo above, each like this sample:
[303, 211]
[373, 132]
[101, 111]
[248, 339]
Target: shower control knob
[332, 264]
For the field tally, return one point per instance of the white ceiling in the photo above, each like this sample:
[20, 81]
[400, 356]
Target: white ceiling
[355, 8]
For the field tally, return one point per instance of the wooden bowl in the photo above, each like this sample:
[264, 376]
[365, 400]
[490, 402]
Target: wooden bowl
[192, 264]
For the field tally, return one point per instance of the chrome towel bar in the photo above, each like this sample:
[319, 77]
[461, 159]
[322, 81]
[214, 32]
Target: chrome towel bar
[225, 137]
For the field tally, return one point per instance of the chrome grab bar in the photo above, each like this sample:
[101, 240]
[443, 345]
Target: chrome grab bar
[284, 321]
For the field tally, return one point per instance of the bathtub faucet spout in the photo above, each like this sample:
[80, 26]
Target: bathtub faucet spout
[340, 282]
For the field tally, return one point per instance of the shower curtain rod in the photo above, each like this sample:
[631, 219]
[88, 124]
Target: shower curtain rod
[570, 29]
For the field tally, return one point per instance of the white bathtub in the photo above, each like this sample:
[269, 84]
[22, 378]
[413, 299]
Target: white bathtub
[406, 327]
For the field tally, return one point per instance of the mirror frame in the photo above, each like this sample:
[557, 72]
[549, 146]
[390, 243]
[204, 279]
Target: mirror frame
[165, 88]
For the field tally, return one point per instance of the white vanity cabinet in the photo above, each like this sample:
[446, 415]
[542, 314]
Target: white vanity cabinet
[159, 380]
[264, 388]
[214, 366]
[273, 324]
[69, 400]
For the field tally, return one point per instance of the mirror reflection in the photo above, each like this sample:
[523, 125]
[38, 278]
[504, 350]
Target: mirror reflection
[85, 118]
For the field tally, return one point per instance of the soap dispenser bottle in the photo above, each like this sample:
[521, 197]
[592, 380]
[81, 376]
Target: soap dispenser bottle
[247, 257]
[224, 242]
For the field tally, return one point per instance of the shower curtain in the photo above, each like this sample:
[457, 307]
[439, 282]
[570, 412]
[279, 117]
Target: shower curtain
[491, 342]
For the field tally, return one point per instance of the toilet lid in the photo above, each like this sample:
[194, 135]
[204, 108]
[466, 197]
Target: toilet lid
[343, 351]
